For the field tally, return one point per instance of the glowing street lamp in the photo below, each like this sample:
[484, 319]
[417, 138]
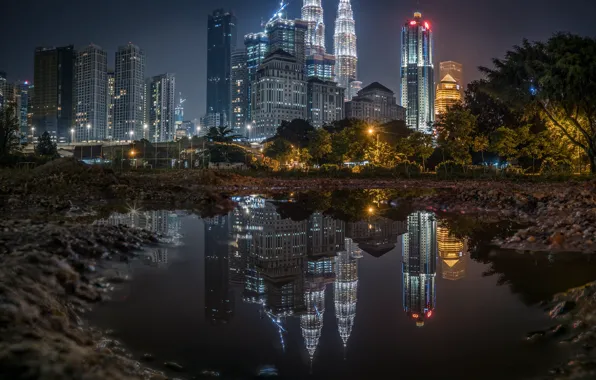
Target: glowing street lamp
[72, 131]
[145, 126]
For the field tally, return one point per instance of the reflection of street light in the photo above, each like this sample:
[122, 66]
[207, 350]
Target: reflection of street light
[370, 131]
[371, 210]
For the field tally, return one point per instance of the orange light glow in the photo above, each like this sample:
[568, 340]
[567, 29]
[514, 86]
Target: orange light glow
[415, 316]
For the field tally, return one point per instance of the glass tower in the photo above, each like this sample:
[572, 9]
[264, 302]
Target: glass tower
[417, 74]
[257, 47]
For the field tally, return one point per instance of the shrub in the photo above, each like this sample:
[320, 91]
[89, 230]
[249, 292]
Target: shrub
[551, 166]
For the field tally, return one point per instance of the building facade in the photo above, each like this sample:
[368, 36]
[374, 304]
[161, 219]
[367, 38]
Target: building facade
[456, 70]
[346, 57]
[375, 103]
[91, 94]
[289, 36]
[321, 66]
[417, 74]
[129, 93]
[325, 102]
[239, 91]
[257, 48]
[221, 41]
[162, 121]
[279, 93]
[448, 94]
[111, 92]
[54, 89]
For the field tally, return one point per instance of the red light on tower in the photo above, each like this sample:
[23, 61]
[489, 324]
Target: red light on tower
[413, 22]
[427, 25]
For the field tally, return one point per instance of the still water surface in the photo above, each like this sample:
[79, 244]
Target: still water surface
[275, 286]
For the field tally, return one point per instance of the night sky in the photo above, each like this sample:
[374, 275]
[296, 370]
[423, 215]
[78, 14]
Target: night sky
[173, 33]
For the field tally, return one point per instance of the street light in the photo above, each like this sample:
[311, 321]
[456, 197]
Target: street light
[145, 126]
[72, 131]
[248, 128]
[88, 132]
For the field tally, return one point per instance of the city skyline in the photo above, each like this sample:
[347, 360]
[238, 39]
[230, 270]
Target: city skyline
[180, 49]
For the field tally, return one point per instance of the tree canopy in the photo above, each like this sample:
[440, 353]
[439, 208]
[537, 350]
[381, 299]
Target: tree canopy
[9, 131]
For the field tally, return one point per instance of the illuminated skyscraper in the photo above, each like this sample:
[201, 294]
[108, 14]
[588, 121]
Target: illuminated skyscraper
[91, 94]
[221, 41]
[454, 69]
[346, 57]
[289, 36]
[110, 100]
[179, 111]
[257, 47]
[452, 254]
[162, 128]
[346, 288]
[448, 94]
[312, 13]
[130, 93]
[239, 86]
[417, 74]
[419, 250]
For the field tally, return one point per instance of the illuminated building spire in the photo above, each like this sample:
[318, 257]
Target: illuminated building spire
[312, 13]
[345, 47]
[346, 289]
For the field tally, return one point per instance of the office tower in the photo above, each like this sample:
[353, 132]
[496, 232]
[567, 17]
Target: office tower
[22, 104]
[375, 103]
[257, 47]
[325, 102]
[111, 93]
[455, 70]
[321, 66]
[54, 86]
[162, 125]
[448, 94]
[346, 288]
[452, 253]
[221, 41]
[91, 94]
[417, 74]
[129, 98]
[312, 13]
[419, 260]
[346, 57]
[239, 89]
[279, 93]
[289, 36]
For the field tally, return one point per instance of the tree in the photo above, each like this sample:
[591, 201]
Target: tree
[506, 143]
[279, 149]
[295, 131]
[455, 129]
[480, 145]
[222, 135]
[319, 144]
[556, 79]
[422, 146]
[9, 131]
[45, 146]
[381, 154]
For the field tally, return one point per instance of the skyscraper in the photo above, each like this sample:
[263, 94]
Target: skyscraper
[129, 98]
[312, 13]
[221, 41]
[3, 89]
[417, 74]
[289, 36]
[279, 93]
[419, 250]
[54, 86]
[454, 69]
[239, 90]
[346, 57]
[179, 111]
[448, 94]
[111, 93]
[257, 47]
[162, 122]
[91, 94]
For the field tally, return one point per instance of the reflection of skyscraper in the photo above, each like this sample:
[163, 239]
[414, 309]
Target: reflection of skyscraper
[419, 250]
[219, 303]
[452, 254]
[311, 322]
[346, 288]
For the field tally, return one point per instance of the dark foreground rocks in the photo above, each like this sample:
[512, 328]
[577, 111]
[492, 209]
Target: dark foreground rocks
[48, 276]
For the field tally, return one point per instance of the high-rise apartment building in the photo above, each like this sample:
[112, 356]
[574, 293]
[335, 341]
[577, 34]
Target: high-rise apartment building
[91, 94]
[417, 74]
[346, 57]
[130, 97]
[375, 103]
[279, 93]
[239, 90]
[162, 122]
[419, 266]
[325, 102]
[257, 48]
[54, 87]
[221, 41]
[111, 92]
